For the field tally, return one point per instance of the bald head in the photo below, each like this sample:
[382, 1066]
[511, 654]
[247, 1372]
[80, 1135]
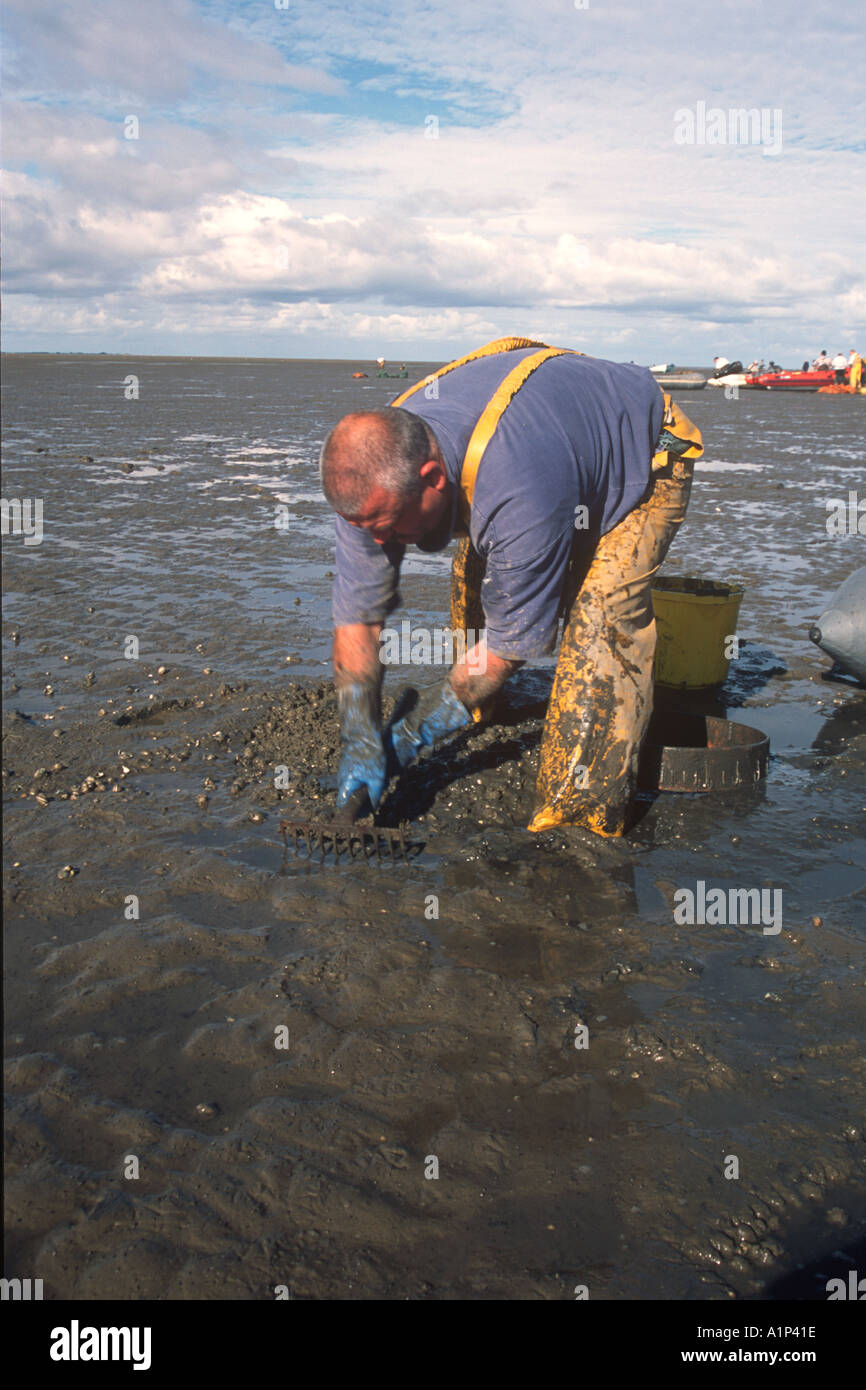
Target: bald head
[372, 449]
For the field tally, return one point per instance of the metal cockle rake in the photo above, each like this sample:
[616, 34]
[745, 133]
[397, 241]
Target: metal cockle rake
[340, 837]
[344, 835]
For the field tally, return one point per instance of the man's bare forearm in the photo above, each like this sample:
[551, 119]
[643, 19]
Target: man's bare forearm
[480, 674]
[356, 655]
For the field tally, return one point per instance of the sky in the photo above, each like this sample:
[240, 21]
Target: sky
[311, 178]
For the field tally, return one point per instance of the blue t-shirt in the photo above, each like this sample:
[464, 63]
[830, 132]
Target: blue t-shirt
[580, 433]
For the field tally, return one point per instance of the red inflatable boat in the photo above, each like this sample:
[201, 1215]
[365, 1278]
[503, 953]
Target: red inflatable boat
[792, 381]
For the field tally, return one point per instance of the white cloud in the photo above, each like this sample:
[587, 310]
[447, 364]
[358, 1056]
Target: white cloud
[147, 51]
[555, 190]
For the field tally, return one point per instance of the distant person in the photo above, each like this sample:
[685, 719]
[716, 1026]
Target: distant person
[840, 367]
[718, 364]
[822, 362]
[855, 370]
[755, 368]
[805, 366]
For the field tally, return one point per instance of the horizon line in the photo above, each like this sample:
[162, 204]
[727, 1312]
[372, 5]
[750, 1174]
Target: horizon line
[246, 357]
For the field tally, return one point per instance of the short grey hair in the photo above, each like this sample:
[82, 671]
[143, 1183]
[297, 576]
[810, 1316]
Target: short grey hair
[374, 448]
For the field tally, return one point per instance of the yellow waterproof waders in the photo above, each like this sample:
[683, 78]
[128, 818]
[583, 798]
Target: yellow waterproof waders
[602, 693]
[601, 701]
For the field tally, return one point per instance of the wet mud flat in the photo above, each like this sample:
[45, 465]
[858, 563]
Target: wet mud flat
[431, 1008]
[521, 1014]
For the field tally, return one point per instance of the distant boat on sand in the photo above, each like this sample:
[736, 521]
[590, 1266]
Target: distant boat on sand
[678, 379]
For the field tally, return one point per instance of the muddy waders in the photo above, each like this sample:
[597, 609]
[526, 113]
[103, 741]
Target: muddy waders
[601, 701]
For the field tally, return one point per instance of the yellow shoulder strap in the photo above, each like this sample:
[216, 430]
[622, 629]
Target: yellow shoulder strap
[489, 350]
[489, 419]
[496, 406]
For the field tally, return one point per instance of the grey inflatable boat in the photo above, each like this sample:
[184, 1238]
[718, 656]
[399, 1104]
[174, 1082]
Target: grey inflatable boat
[841, 631]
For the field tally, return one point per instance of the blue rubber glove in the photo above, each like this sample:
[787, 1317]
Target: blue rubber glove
[362, 760]
[438, 713]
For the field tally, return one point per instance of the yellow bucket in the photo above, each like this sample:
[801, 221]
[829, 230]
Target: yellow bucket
[696, 620]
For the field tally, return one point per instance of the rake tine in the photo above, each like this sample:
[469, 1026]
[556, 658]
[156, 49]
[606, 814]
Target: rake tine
[385, 842]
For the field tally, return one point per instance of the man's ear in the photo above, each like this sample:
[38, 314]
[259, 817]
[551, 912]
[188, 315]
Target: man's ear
[434, 475]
